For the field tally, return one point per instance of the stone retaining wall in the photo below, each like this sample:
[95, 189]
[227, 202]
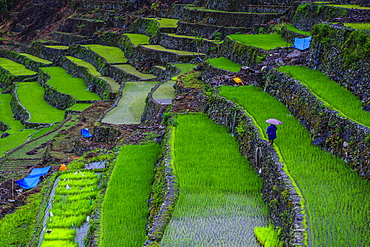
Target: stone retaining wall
[343, 54]
[186, 44]
[329, 130]
[20, 113]
[278, 190]
[118, 40]
[55, 98]
[93, 83]
[243, 6]
[67, 38]
[237, 19]
[27, 62]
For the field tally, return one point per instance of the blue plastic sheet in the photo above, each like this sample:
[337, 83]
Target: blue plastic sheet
[32, 180]
[85, 133]
[302, 44]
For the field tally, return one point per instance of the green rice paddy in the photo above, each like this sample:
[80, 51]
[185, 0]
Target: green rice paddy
[178, 52]
[337, 200]
[57, 47]
[15, 68]
[132, 104]
[348, 6]
[6, 114]
[129, 69]
[82, 63]
[13, 141]
[335, 96]
[36, 59]
[360, 26]
[220, 199]
[165, 91]
[67, 84]
[138, 39]
[31, 96]
[125, 208]
[290, 27]
[110, 53]
[224, 64]
[79, 106]
[165, 22]
[184, 68]
[263, 41]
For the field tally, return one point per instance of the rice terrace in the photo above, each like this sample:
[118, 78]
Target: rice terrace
[184, 123]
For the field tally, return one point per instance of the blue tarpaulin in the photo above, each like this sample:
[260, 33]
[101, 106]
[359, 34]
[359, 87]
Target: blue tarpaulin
[85, 133]
[32, 180]
[302, 44]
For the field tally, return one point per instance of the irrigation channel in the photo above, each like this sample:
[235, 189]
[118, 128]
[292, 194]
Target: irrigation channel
[220, 199]
[337, 200]
[70, 204]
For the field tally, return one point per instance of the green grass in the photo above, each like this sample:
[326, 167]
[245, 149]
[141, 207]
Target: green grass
[110, 53]
[67, 84]
[36, 59]
[165, 22]
[224, 64]
[132, 104]
[337, 200]
[165, 91]
[42, 131]
[125, 208]
[16, 229]
[360, 26]
[290, 27]
[129, 69]
[15, 68]
[348, 6]
[14, 140]
[263, 41]
[138, 39]
[6, 114]
[57, 47]
[79, 107]
[335, 96]
[178, 52]
[82, 63]
[31, 96]
[220, 199]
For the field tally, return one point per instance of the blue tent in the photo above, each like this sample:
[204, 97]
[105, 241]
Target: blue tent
[302, 44]
[86, 133]
[32, 180]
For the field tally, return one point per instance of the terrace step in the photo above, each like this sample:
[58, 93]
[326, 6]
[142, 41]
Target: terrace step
[159, 55]
[131, 105]
[208, 31]
[113, 85]
[67, 38]
[185, 42]
[17, 71]
[150, 26]
[253, 15]
[131, 73]
[82, 26]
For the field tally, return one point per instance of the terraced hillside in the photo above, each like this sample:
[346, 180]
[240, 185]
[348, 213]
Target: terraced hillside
[152, 116]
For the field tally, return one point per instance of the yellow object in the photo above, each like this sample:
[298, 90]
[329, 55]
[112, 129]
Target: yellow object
[238, 80]
[62, 167]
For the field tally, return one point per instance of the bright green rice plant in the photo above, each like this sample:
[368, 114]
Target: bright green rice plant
[58, 243]
[43, 131]
[290, 27]
[178, 52]
[75, 189]
[75, 197]
[360, 26]
[66, 83]
[263, 41]
[78, 182]
[31, 96]
[110, 53]
[36, 59]
[16, 229]
[348, 6]
[80, 62]
[138, 39]
[125, 208]
[335, 96]
[78, 175]
[165, 22]
[60, 234]
[14, 140]
[68, 208]
[6, 114]
[268, 236]
[224, 64]
[336, 198]
[15, 68]
[220, 199]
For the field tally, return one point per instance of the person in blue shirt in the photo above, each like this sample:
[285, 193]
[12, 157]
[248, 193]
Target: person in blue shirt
[271, 133]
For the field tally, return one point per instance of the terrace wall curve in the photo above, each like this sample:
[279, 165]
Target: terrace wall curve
[329, 130]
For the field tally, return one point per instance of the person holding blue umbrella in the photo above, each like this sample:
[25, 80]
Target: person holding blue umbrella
[271, 130]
